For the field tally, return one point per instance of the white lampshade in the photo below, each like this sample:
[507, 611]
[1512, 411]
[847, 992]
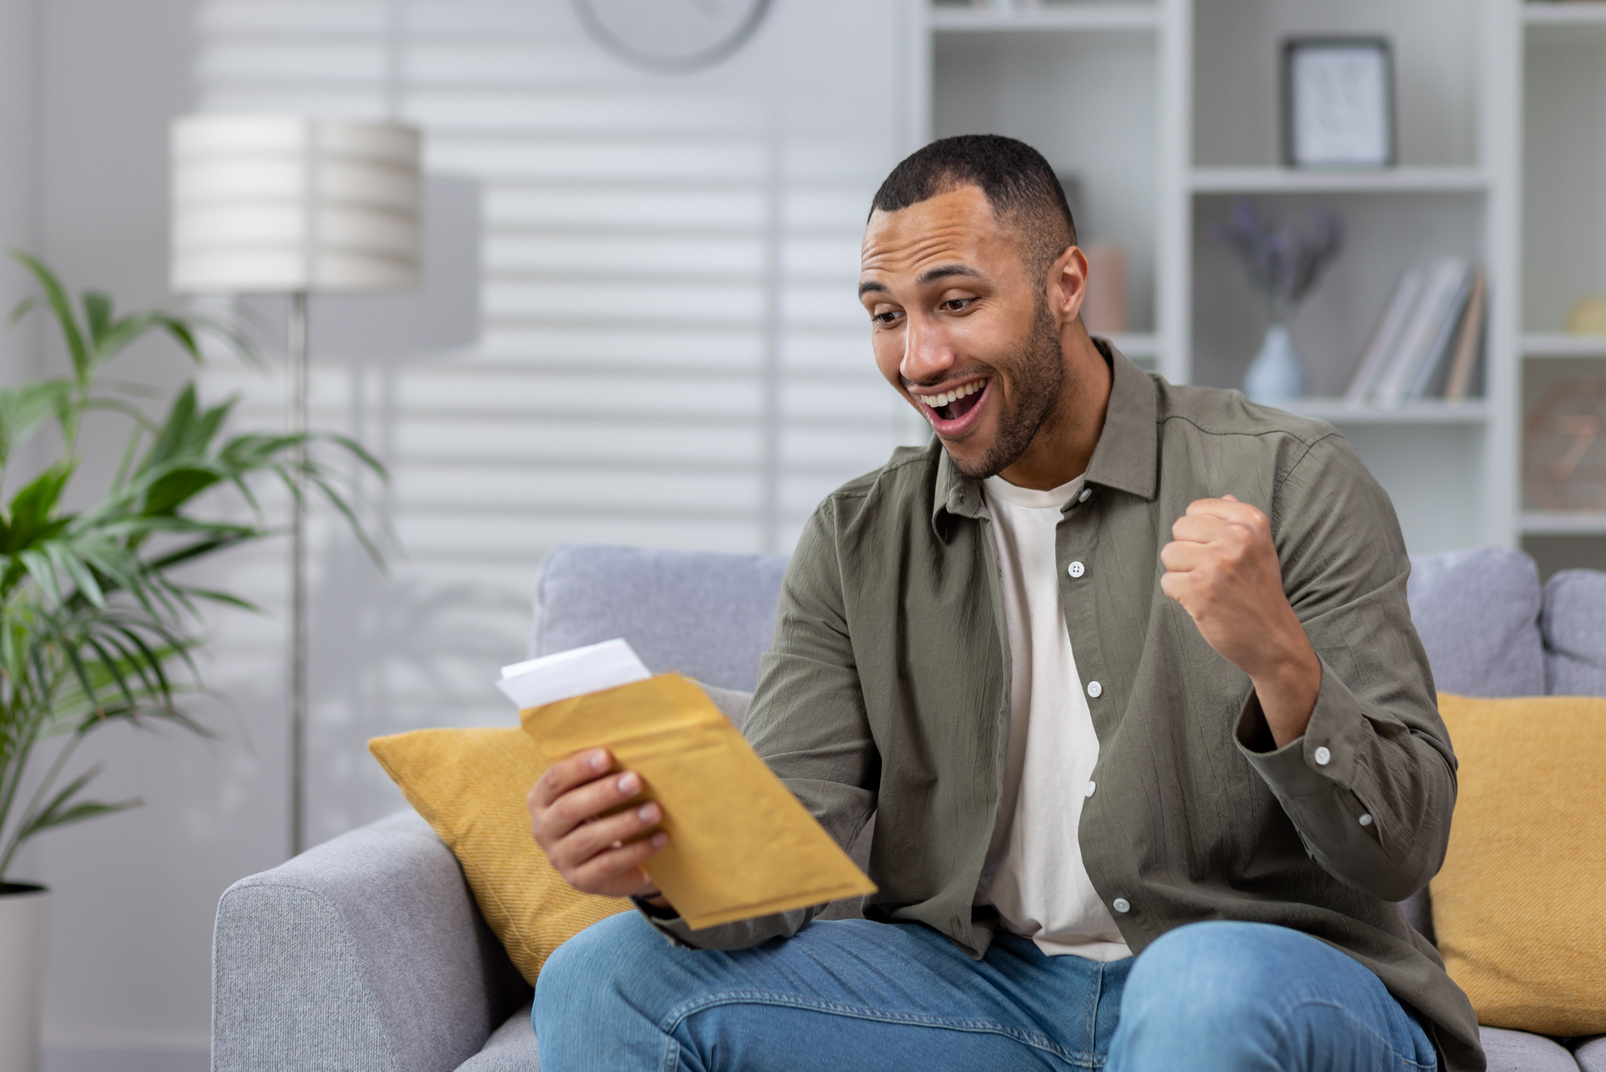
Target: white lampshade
[277, 203]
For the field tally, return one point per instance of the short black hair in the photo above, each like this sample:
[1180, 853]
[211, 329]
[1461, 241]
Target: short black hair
[1018, 182]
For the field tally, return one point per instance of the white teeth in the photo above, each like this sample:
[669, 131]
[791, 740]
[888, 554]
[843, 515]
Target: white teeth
[948, 397]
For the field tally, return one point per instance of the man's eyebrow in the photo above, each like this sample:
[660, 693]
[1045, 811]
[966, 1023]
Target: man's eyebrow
[943, 271]
[929, 276]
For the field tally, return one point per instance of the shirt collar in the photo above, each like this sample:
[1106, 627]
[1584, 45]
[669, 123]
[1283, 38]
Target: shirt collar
[1126, 457]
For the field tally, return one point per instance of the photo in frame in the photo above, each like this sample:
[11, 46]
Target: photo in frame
[1338, 102]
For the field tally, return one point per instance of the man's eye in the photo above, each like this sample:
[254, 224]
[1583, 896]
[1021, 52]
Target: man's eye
[885, 319]
[955, 305]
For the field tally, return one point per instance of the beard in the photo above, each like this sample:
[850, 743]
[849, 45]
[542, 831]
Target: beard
[1039, 376]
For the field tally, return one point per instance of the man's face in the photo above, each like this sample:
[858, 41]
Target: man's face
[960, 328]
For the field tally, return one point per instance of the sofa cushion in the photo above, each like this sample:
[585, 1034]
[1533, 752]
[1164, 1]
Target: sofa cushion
[470, 786]
[1574, 624]
[1514, 1051]
[1477, 612]
[1519, 907]
[511, 1048]
[705, 615]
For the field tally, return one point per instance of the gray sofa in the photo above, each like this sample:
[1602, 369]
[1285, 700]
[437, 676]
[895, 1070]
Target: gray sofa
[367, 954]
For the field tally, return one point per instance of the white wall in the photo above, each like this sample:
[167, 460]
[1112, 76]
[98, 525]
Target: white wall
[485, 466]
[19, 117]
[126, 983]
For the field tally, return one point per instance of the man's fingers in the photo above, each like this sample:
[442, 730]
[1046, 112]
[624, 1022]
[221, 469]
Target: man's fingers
[582, 804]
[591, 838]
[617, 872]
[1197, 528]
[1226, 508]
[1183, 555]
[565, 774]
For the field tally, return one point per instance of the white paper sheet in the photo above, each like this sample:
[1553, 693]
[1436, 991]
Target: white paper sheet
[572, 673]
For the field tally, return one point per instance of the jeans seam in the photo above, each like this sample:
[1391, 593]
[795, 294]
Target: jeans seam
[1405, 1062]
[678, 1015]
[1096, 995]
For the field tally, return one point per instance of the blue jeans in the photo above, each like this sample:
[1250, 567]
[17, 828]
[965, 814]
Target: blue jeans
[852, 994]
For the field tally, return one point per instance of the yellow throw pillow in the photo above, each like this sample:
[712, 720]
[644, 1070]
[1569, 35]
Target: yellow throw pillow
[1520, 905]
[470, 785]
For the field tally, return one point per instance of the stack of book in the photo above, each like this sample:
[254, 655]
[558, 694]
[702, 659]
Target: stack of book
[1428, 342]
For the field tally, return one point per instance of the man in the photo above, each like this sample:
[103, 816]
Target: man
[1120, 667]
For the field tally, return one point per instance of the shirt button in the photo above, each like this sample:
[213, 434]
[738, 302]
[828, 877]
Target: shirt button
[1076, 569]
[1094, 689]
[1087, 493]
[1089, 791]
[1366, 820]
[1122, 905]
[1323, 756]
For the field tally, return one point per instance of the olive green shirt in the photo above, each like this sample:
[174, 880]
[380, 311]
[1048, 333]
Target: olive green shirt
[886, 691]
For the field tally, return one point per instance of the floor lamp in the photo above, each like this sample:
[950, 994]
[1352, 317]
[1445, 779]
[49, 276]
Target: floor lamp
[291, 205]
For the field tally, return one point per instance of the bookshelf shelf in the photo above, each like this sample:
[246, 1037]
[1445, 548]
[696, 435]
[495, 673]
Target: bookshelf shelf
[1556, 345]
[1560, 22]
[1338, 411]
[1563, 523]
[1570, 14]
[1427, 180]
[1086, 17]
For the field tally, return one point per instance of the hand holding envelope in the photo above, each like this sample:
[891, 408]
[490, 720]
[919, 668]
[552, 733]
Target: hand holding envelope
[740, 844]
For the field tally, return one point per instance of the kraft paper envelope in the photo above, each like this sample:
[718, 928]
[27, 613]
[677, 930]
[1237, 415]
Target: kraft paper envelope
[740, 844]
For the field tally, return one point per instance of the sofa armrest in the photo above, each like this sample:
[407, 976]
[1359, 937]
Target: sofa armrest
[366, 953]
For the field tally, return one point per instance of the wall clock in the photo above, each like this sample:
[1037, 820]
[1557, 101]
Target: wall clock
[671, 35]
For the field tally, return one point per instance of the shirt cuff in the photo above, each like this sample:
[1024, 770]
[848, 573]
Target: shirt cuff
[1321, 758]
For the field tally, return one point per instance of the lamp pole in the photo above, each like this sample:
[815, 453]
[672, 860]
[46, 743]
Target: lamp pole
[296, 371]
[350, 226]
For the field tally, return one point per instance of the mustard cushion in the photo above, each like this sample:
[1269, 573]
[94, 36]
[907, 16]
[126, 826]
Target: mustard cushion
[1520, 905]
[470, 786]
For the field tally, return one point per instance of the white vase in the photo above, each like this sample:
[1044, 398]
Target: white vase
[1276, 376]
[23, 912]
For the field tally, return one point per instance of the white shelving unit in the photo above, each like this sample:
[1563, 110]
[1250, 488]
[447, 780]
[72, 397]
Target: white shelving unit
[1562, 88]
[1168, 113]
[1428, 180]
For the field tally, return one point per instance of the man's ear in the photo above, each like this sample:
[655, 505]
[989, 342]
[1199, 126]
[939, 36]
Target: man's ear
[1067, 284]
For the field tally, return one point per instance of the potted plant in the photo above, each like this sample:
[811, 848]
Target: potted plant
[1283, 261]
[97, 623]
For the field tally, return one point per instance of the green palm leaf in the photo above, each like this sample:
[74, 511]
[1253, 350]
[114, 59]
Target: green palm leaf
[95, 625]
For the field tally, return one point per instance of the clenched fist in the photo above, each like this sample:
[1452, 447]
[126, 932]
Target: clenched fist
[1222, 566]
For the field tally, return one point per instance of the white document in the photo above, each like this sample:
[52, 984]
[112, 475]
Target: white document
[572, 673]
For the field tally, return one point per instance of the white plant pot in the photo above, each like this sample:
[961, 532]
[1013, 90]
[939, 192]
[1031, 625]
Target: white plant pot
[23, 911]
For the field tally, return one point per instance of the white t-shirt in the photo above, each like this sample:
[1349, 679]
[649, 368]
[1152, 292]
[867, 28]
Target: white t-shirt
[1034, 874]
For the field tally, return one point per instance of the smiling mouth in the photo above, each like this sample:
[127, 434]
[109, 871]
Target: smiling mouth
[953, 405]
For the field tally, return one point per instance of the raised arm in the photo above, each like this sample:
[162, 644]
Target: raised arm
[1343, 724]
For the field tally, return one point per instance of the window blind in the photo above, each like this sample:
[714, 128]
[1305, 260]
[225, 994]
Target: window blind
[670, 354]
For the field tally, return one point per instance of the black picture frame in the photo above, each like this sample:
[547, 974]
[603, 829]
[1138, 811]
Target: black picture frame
[1297, 142]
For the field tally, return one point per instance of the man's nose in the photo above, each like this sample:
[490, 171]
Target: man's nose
[926, 353]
